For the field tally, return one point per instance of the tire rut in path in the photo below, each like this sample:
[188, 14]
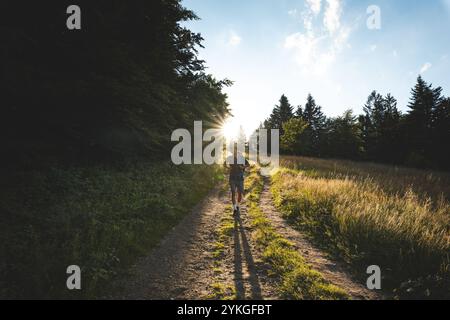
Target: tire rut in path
[334, 272]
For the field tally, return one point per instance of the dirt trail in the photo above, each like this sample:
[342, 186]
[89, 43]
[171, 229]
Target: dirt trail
[182, 266]
[332, 271]
[243, 264]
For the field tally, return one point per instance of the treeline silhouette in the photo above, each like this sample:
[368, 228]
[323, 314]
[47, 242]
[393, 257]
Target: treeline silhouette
[115, 88]
[418, 138]
[86, 118]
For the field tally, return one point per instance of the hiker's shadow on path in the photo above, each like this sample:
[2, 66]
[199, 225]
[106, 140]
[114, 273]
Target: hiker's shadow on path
[242, 251]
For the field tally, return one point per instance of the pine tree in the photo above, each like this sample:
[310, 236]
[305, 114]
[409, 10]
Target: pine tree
[133, 76]
[299, 113]
[419, 122]
[344, 136]
[282, 113]
[315, 119]
[441, 135]
[390, 144]
[285, 110]
[313, 115]
[380, 128]
[421, 105]
[370, 124]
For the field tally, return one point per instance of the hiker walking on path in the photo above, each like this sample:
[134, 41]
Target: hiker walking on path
[236, 163]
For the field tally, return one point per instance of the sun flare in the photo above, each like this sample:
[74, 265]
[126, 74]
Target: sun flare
[230, 129]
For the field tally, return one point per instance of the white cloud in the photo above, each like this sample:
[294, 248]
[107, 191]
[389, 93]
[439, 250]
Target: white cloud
[305, 47]
[316, 54]
[373, 47]
[315, 6]
[234, 39]
[395, 53]
[332, 18]
[425, 67]
[317, 48]
[341, 38]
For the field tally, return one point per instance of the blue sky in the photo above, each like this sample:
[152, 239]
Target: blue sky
[322, 47]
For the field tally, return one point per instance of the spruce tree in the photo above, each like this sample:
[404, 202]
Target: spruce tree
[313, 116]
[441, 135]
[282, 113]
[380, 128]
[299, 113]
[285, 110]
[419, 122]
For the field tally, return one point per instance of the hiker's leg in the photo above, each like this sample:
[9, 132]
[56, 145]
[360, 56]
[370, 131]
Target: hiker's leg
[233, 192]
[240, 191]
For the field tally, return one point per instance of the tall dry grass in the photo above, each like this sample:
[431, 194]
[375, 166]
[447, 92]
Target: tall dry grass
[426, 184]
[374, 215]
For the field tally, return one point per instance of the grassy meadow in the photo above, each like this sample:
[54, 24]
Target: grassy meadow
[100, 218]
[369, 214]
[296, 280]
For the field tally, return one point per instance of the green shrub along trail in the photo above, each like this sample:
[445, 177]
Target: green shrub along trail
[100, 218]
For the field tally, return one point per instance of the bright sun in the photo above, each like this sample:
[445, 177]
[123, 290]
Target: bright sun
[230, 129]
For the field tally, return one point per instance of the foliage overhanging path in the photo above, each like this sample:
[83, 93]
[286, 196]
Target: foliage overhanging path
[331, 271]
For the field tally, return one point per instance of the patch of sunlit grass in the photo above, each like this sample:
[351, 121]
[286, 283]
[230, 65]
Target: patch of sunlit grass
[297, 280]
[358, 217]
